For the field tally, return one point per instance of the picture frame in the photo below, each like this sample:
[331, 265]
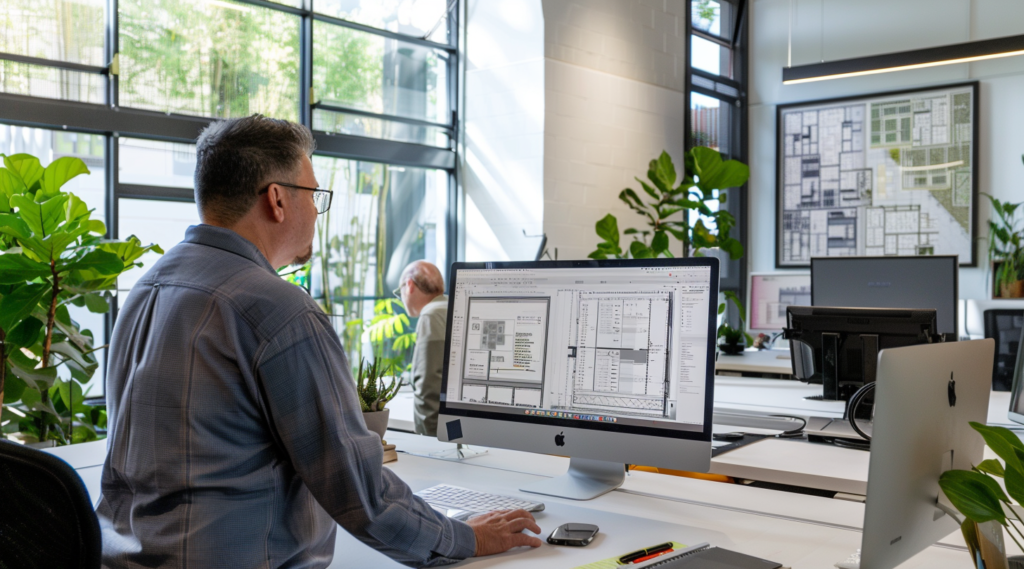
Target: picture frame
[891, 173]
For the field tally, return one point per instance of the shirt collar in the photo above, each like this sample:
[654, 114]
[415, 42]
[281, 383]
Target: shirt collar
[227, 240]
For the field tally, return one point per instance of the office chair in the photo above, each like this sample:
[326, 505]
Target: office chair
[1004, 326]
[47, 520]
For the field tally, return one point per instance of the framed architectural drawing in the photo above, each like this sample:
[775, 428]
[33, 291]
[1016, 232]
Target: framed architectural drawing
[886, 174]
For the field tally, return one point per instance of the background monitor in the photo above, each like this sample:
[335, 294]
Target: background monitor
[921, 430]
[771, 294]
[890, 282]
[838, 347]
[608, 362]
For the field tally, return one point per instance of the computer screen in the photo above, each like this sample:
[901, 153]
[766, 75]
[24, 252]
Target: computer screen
[771, 294]
[624, 348]
[890, 282]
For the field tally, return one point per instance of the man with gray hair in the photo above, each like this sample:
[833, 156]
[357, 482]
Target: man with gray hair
[421, 289]
[235, 434]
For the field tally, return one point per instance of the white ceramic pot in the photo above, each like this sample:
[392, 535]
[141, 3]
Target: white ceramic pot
[377, 421]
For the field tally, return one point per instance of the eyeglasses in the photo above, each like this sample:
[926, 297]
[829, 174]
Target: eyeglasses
[321, 198]
[398, 292]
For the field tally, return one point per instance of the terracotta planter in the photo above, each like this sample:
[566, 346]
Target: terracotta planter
[1012, 290]
[377, 421]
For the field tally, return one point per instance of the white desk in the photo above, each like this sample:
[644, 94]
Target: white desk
[757, 361]
[804, 532]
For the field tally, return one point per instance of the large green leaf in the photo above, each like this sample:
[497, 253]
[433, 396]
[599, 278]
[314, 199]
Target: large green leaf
[19, 303]
[714, 174]
[96, 303]
[14, 386]
[659, 243]
[26, 167]
[42, 218]
[99, 261]
[1014, 480]
[992, 466]
[11, 224]
[974, 494]
[35, 378]
[10, 185]
[1002, 442]
[662, 172]
[24, 334]
[608, 229]
[60, 171]
[640, 251]
[19, 268]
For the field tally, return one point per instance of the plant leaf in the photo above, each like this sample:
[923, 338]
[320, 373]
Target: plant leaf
[24, 334]
[14, 307]
[608, 229]
[992, 466]
[974, 494]
[714, 174]
[15, 269]
[659, 243]
[1002, 442]
[26, 167]
[60, 171]
[42, 218]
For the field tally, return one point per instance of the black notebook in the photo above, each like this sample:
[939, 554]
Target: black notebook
[706, 557]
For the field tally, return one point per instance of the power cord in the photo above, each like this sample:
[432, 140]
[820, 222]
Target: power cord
[855, 402]
[792, 433]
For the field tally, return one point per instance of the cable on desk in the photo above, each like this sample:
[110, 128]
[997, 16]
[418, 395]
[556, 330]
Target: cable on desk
[855, 402]
[792, 433]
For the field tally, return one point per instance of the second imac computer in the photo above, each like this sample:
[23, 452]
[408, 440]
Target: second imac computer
[929, 281]
[607, 362]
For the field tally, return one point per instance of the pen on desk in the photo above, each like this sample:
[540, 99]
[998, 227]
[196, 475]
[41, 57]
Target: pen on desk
[629, 558]
[653, 555]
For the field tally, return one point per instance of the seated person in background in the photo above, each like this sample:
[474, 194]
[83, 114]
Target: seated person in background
[421, 289]
[235, 433]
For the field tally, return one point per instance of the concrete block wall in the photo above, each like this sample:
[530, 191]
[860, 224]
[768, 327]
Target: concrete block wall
[613, 101]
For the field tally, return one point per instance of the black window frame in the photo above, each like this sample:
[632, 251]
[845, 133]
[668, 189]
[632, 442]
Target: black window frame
[113, 121]
[732, 90]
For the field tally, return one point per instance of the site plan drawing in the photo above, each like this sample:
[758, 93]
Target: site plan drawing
[890, 174]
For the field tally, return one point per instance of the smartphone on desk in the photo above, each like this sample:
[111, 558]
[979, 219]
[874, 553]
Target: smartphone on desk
[573, 534]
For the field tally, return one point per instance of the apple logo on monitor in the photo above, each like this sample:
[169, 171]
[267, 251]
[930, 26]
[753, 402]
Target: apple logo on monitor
[560, 439]
[952, 391]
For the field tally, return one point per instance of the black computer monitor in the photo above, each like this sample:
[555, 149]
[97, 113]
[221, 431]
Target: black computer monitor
[890, 282]
[838, 347]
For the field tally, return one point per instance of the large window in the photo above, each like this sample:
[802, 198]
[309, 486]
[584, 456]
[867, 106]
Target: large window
[128, 84]
[716, 81]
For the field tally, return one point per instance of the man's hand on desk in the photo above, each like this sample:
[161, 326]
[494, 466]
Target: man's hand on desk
[499, 531]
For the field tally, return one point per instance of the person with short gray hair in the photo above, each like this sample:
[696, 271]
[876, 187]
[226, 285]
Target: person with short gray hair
[421, 289]
[235, 435]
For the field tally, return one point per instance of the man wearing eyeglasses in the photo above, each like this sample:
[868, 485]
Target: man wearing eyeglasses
[235, 435]
[421, 289]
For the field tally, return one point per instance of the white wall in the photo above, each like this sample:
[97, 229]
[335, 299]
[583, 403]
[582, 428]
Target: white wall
[614, 78]
[868, 27]
[503, 157]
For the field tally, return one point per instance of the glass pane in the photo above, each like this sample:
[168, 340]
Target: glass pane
[372, 73]
[49, 82]
[153, 163]
[328, 121]
[214, 58]
[383, 217]
[709, 122]
[163, 223]
[413, 17]
[710, 56]
[64, 30]
[48, 145]
[713, 17]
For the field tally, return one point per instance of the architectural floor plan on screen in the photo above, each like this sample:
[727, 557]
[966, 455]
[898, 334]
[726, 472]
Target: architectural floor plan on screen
[619, 361]
[881, 176]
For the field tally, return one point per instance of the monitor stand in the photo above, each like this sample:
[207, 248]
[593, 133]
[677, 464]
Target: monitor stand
[586, 479]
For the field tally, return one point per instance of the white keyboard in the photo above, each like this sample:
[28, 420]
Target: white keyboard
[462, 503]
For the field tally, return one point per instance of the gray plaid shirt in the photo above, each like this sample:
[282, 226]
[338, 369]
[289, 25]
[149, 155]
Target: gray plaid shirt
[236, 439]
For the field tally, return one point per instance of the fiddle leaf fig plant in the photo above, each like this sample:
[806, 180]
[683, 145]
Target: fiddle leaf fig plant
[52, 255]
[681, 209]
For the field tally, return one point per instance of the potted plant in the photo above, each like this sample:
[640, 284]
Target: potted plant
[689, 212]
[1006, 249]
[374, 394]
[732, 340]
[985, 505]
[52, 255]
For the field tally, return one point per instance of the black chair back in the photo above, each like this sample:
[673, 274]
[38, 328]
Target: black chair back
[46, 517]
[1004, 326]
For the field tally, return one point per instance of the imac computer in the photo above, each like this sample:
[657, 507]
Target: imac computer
[607, 362]
[890, 282]
[925, 399]
[838, 347]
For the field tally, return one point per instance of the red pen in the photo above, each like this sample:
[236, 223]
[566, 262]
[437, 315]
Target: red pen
[652, 556]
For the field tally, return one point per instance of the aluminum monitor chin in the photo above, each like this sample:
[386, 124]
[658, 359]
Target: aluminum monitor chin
[609, 362]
